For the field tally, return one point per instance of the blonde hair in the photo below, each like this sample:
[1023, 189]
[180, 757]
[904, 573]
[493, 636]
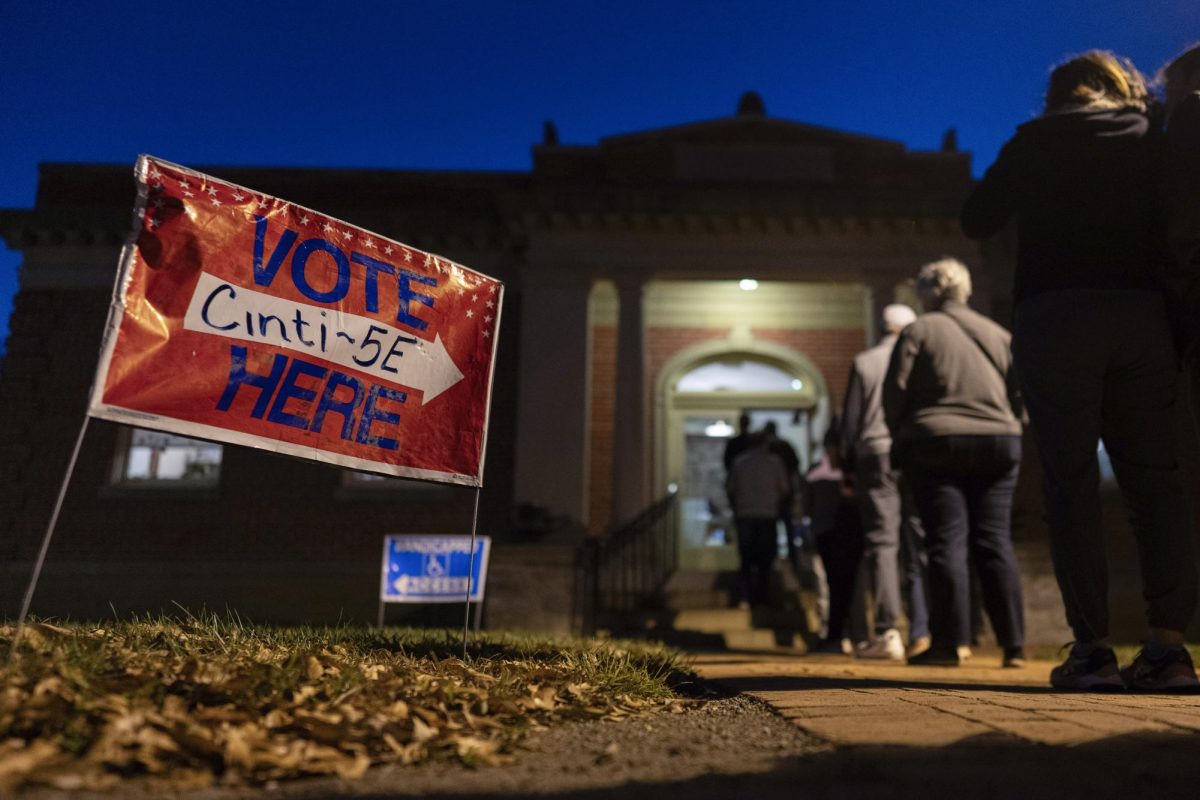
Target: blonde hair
[947, 279]
[1097, 79]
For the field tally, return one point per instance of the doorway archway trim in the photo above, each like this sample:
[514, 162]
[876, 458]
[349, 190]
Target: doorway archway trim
[714, 349]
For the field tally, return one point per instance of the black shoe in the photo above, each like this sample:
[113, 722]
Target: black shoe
[1095, 672]
[936, 657]
[1170, 672]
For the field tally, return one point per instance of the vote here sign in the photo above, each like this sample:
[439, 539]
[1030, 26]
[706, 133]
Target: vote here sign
[243, 318]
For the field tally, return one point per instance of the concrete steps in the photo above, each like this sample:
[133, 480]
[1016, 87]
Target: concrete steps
[699, 611]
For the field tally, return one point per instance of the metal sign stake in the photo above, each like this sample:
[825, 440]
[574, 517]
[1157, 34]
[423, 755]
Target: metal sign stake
[41, 557]
[470, 575]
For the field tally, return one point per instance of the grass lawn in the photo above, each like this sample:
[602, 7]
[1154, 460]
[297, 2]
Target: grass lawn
[192, 701]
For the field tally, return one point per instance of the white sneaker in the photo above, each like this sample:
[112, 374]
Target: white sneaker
[887, 645]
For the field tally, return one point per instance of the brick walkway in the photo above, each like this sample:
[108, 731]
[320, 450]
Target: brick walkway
[853, 703]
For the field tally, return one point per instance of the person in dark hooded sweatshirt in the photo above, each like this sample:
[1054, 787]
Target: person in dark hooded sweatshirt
[1181, 200]
[1095, 357]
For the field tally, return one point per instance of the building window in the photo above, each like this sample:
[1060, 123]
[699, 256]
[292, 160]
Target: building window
[150, 458]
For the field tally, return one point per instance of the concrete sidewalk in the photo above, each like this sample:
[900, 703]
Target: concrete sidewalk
[856, 703]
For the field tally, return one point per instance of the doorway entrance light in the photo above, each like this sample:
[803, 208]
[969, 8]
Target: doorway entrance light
[719, 430]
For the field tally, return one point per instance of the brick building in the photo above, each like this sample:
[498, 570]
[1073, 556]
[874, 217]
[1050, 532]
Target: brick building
[659, 283]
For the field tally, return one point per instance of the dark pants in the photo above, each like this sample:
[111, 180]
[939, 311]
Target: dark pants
[891, 541]
[1100, 364]
[913, 565]
[757, 549]
[963, 487]
[841, 547]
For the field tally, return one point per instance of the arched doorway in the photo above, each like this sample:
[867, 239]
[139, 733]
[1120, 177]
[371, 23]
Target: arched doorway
[701, 393]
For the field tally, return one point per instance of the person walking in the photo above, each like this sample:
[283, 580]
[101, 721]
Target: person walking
[739, 443]
[757, 483]
[1181, 201]
[951, 403]
[837, 532]
[787, 505]
[1095, 356]
[891, 531]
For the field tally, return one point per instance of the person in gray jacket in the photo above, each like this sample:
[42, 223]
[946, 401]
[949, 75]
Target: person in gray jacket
[951, 402]
[756, 484]
[891, 530]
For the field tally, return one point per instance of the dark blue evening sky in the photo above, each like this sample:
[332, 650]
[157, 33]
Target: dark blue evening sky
[466, 85]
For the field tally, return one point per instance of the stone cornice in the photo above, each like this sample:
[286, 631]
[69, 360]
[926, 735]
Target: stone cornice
[744, 224]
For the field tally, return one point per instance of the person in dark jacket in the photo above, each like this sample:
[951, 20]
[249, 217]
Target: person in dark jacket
[1095, 355]
[952, 406]
[837, 531]
[739, 443]
[1181, 196]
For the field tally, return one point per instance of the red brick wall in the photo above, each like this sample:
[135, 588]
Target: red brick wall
[830, 350]
[602, 423]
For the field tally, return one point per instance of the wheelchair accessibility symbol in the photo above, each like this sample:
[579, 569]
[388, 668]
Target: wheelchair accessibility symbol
[436, 565]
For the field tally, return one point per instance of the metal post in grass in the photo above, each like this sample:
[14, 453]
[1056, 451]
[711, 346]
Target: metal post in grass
[470, 573]
[41, 557]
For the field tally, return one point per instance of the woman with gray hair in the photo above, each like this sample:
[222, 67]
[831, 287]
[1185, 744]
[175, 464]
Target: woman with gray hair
[952, 406]
[1095, 356]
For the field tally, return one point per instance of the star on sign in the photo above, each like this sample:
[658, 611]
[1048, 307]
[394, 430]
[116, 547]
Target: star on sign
[188, 194]
[154, 223]
[474, 297]
[214, 201]
[368, 243]
[154, 173]
[158, 202]
[486, 333]
[491, 303]
[183, 184]
[492, 288]
[408, 255]
[347, 235]
[488, 318]
[389, 250]
[327, 228]
[212, 191]
[262, 203]
[470, 313]
[304, 219]
[239, 196]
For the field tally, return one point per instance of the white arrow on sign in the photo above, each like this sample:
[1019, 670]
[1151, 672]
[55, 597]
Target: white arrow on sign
[360, 343]
[430, 369]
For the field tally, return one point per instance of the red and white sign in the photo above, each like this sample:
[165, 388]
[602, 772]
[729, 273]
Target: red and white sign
[242, 318]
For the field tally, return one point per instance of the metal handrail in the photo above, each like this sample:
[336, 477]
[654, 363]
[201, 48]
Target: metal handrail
[624, 571]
